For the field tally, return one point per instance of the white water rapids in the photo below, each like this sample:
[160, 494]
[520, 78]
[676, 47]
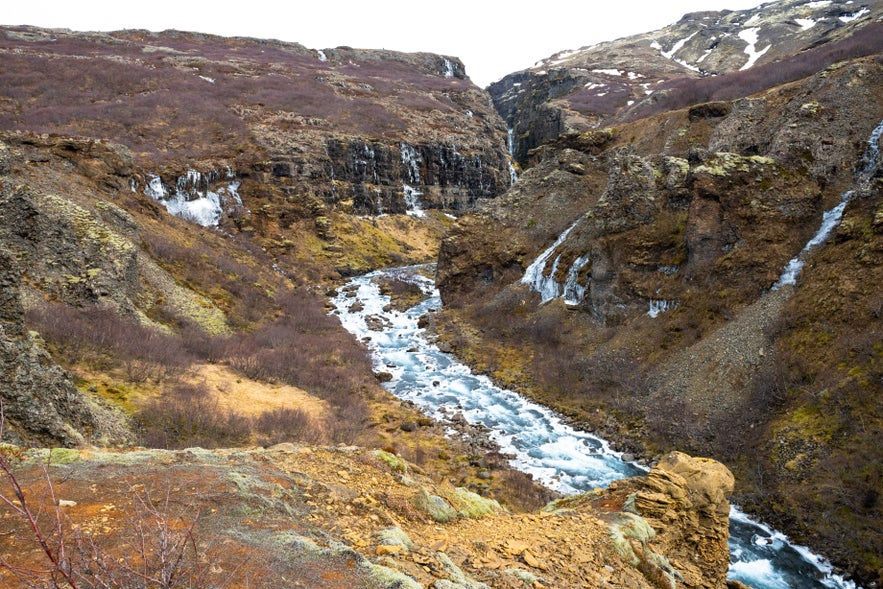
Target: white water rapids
[558, 455]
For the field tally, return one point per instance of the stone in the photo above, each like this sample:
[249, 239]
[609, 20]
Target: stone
[388, 550]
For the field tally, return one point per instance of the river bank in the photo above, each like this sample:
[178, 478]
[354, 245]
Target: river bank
[557, 455]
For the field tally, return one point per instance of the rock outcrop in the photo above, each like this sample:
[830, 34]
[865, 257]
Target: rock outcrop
[685, 501]
[344, 516]
[40, 403]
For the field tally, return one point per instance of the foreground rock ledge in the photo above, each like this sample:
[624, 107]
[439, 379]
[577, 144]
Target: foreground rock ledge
[352, 517]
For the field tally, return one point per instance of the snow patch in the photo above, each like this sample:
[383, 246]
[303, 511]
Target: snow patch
[805, 23]
[818, 4]
[207, 79]
[564, 56]
[854, 15]
[677, 47]
[322, 57]
[750, 36]
[609, 72]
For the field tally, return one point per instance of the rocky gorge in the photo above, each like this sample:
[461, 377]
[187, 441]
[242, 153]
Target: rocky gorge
[174, 208]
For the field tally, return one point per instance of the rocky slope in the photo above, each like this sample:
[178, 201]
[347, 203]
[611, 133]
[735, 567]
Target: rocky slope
[680, 65]
[346, 517]
[650, 314]
[38, 399]
[286, 156]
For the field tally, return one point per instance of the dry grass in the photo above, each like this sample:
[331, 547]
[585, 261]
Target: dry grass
[251, 398]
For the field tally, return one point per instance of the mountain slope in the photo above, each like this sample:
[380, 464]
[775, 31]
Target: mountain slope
[681, 64]
[350, 127]
[633, 267]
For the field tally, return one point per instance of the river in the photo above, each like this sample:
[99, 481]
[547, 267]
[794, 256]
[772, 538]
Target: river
[556, 454]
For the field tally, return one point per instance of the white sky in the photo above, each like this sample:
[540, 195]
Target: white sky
[493, 38]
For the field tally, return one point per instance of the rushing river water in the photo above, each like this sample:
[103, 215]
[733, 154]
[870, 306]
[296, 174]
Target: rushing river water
[558, 455]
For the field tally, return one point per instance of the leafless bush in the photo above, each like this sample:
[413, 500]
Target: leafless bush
[189, 415]
[287, 425]
[158, 549]
[102, 338]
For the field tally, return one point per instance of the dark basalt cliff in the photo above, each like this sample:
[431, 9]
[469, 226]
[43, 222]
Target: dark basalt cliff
[680, 65]
[679, 225]
[39, 401]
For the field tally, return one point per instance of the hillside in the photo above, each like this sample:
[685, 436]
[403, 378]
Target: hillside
[682, 64]
[634, 264]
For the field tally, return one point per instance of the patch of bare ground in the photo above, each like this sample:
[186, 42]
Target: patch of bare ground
[302, 517]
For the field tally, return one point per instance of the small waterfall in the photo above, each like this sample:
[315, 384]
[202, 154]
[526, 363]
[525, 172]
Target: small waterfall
[449, 68]
[191, 199]
[574, 292]
[658, 306]
[870, 162]
[412, 201]
[511, 141]
[513, 174]
[411, 160]
[546, 285]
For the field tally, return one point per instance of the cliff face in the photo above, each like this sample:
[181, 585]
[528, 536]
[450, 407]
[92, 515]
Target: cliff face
[357, 131]
[680, 65]
[40, 403]
[635, 265]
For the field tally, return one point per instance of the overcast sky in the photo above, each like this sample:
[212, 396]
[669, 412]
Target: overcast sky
[493, 38]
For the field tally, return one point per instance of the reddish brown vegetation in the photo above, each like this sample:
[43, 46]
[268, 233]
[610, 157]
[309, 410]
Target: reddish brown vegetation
[192, 98]
[611, 99]
[101, 339]
[683, 92]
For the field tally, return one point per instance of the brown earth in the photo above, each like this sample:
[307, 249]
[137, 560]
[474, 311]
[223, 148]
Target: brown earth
[344, 517]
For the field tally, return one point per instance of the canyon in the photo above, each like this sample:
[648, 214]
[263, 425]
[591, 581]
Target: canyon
[610, 227]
